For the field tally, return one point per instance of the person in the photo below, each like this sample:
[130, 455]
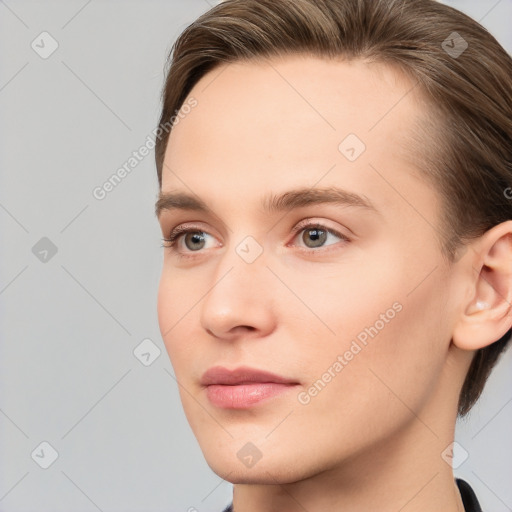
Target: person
[335, 201]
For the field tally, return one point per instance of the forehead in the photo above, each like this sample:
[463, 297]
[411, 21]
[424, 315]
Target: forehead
[297, 120]
[298, 96]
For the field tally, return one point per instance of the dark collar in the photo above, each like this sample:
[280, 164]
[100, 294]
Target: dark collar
[468, 496]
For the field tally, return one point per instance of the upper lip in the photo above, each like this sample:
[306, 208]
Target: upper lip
[240, 375]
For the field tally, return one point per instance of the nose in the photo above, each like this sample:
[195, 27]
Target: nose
[239, 302]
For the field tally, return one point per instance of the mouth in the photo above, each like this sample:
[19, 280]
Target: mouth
[243, 387]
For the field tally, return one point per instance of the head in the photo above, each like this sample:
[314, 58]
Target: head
[411, 271]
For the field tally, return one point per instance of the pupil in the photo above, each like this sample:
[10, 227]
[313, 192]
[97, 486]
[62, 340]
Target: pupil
[196, 238]
[318, 237]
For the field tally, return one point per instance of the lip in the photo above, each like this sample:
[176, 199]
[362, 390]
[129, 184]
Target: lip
[240, 375]
[242, 387]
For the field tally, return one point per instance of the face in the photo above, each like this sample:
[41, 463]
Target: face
[345, 296]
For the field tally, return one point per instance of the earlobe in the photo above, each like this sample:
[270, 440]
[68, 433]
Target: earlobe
[488, 315]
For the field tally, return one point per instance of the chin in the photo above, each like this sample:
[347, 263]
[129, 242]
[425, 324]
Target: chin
[269, 470]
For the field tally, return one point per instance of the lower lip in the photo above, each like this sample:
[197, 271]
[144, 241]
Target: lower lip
[243, 396]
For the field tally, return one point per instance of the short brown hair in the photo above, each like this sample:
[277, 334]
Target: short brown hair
[469, 88]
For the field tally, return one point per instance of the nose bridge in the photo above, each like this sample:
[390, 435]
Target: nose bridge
[238, 295]
[243, 263]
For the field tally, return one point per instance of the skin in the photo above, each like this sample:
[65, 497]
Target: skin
[372, 439]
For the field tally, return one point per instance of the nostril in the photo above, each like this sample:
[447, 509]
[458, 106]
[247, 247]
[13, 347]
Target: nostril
[239, 329]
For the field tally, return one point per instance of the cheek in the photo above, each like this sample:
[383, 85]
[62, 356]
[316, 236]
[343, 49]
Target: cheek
[391, 360]
[387, 344]
[165, 306]
[344, 300]
[175, 303]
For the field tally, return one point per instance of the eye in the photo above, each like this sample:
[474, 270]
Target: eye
[316, 235]
[193, 238]
[187, 240]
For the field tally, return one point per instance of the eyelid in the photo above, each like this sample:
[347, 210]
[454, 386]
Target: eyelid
[311, 224]
[183, 229]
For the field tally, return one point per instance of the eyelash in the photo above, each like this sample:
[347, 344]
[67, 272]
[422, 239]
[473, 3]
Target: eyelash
[177, 233]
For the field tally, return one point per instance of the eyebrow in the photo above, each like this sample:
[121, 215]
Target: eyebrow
[272, 203]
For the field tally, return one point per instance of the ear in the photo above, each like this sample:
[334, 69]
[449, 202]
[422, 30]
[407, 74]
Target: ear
[488, 315]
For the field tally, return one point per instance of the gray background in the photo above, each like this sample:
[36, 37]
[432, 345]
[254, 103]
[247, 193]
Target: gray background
[70, 323]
